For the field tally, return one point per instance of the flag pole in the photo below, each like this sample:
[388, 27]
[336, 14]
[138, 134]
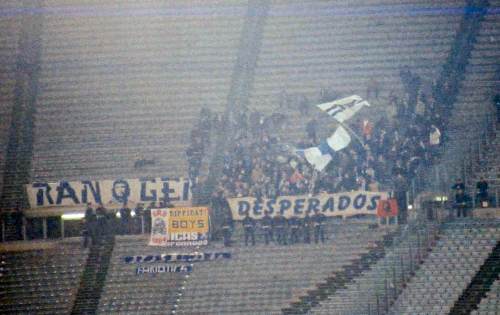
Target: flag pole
[352, 132]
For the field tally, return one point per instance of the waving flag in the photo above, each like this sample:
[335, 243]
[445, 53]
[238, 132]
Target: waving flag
[339, 140]
[319, 157]
[316, 158]
[344, 108]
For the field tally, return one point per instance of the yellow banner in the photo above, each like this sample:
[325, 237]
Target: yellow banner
[188, 219]
[183, 226]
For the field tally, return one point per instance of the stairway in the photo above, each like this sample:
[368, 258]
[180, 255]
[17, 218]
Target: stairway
[94, 277]
[339, 279]
[241, 84]
[454, 86]
[479, 285]
[20, 146]
[469, 109]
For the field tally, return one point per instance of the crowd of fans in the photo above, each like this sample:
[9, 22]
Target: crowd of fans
[259, 164]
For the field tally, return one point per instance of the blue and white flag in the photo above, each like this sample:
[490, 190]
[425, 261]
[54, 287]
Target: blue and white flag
[339, 140]
[319, 157]
[344, 108]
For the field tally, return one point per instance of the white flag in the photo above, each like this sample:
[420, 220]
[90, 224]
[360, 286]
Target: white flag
[318, 160]
[339, 140]
[344, 108]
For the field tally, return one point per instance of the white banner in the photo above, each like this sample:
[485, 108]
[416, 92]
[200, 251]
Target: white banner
[111, 193]
[343, 109]
[340, 204]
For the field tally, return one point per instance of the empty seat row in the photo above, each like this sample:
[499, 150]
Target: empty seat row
[446, 273]
[51, 289]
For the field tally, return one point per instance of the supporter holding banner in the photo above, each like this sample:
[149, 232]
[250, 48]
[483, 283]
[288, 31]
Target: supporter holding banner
[187, 226]
[340, 204]
[108, 192]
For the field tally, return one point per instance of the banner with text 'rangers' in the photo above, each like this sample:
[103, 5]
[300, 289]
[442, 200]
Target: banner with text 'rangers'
[344, 204]
[186, 226]
[108, 192]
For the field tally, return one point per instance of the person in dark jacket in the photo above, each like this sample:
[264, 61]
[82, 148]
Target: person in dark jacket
[318, 220]
[90, 226]
[294, 225]
[400, 190]
[227, 230]
[460, 197]
[267, 225]
[147, 217]
[458, 187]
[279, 225]
[462, 202]
[102, 222]
[482, 191]
[306, 228]
[125, 219]
[249, 228]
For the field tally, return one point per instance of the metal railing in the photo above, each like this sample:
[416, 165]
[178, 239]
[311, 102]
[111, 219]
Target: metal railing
[461, 156]
[400, 263]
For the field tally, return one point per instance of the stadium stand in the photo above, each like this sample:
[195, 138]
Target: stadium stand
[125, 291]
[377, 287]
[472, 125]
[491, 303]
[479, 286]
[264, 279]
[124, 81]
[461, 250]
[301, 54]
[42, 281]
[9, 51]
[97, 68]
[94, 276]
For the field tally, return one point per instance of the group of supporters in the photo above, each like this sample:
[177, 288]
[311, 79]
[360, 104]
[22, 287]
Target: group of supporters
[389, 156]
[98, 223]
[101, 222]
[283, 231]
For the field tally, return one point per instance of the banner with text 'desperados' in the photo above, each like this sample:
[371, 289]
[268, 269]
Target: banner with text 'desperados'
[343, 204]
